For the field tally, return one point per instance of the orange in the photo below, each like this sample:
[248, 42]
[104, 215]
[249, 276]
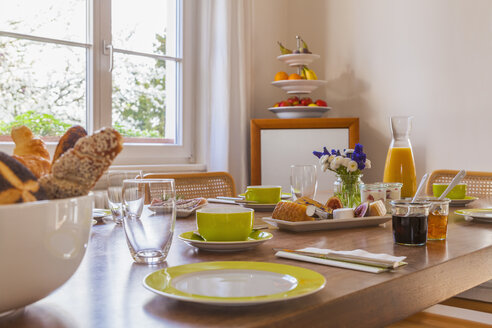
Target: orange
[281, 76]
[295, 76]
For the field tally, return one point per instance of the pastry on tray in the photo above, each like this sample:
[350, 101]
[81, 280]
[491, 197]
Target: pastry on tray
[291, 211]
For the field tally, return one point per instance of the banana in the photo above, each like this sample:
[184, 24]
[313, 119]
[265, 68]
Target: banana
[303, 73]
[310, 75]
[304, 49]
[283, 49]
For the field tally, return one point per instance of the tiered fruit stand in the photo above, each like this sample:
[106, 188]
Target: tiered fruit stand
[299, 87]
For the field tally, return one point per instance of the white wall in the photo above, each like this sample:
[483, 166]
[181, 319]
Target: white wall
[429, 59]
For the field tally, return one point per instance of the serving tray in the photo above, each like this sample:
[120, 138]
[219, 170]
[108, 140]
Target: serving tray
[327, 224]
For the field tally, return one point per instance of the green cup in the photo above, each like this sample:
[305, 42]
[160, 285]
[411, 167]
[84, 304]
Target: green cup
[225, 223]
[264, 194]
[458, 192]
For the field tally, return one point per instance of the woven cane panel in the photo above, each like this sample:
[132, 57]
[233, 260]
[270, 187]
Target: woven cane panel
[207, 185]
[478, 184]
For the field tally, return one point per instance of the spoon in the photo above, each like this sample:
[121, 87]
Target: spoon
[457, 179]
[421, 186]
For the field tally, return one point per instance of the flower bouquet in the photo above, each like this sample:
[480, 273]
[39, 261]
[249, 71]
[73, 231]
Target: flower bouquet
[348, 166]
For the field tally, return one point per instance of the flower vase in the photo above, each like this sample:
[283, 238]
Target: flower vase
[346, 187]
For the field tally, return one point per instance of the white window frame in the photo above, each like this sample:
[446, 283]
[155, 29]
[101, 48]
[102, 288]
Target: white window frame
[180, 156]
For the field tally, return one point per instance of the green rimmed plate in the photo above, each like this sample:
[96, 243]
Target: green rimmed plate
[481, 214]
[234, 283]
[462, 202]
[255, 238]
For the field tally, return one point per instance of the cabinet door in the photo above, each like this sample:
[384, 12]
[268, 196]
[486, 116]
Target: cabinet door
[276, 144]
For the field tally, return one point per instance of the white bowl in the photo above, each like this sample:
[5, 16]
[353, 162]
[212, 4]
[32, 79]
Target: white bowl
[298, 59]
[299, 111]
[299, 86]
[41, 246]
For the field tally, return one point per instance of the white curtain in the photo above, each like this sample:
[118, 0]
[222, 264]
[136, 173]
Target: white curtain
[223, 86]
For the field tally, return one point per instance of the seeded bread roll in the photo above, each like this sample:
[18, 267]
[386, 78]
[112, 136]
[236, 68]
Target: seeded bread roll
[79, 168]
[17, 183]
[30, 151]
[68, 140]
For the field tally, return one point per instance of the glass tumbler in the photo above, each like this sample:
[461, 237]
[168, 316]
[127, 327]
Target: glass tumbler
[410, 222]
[115, 186]
[437, 225]
[303, 181]
[149, 232]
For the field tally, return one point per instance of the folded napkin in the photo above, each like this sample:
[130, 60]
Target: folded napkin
[341, 264]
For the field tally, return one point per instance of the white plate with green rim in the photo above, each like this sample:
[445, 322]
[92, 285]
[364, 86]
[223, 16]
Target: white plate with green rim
[481, 214]
[100, 213]
[462, 202]
[255, 238]
[234, 283]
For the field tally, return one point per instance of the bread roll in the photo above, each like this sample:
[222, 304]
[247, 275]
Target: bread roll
[31, 151]
[17, 183]
[68, 140]
[79, 168]
[290, 211]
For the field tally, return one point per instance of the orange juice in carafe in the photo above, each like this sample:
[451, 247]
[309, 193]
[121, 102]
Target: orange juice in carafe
[400, 167]
[400, 164]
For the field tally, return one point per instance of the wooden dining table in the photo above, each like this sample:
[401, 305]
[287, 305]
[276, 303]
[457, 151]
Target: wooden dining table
[107, 289]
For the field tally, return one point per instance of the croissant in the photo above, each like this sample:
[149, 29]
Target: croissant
[30, 151]
[79, 168]
[17, 183]
[68, 140]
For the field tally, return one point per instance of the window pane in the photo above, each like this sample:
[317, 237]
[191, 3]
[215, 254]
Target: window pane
[58, 19]
[144, 98]
[42, 86]
[137, 25]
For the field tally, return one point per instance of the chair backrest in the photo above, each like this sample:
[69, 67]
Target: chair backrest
[202, 184]
[478, 184]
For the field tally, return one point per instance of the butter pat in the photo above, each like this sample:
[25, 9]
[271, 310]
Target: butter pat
[343, 213]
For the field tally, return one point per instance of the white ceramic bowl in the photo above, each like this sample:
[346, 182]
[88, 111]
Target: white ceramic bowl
[41, 246]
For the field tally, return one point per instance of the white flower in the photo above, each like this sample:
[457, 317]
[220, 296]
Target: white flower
[345, 161]
[368, 164]
[352, 166]
[331, 158]
[323, 159]
[325, 166]
[335, 164]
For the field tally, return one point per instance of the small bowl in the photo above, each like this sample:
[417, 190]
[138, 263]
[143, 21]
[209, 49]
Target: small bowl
[225, 223]
[41, 245]
[458, 192]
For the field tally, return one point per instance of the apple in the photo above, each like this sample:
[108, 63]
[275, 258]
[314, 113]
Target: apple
[321, 103]
[312, 105]
[285, 103]
[306, 101]
[276, 104]
[294, 101]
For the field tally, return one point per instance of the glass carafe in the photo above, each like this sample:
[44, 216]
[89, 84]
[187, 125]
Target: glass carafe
[400, 165]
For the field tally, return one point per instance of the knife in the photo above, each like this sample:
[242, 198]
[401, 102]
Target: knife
[346, 258]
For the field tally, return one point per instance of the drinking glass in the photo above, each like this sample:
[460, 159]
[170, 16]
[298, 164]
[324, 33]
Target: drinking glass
[149, 233]
[410, 222]
[115, 185]
[437, 224]
[303, 181]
